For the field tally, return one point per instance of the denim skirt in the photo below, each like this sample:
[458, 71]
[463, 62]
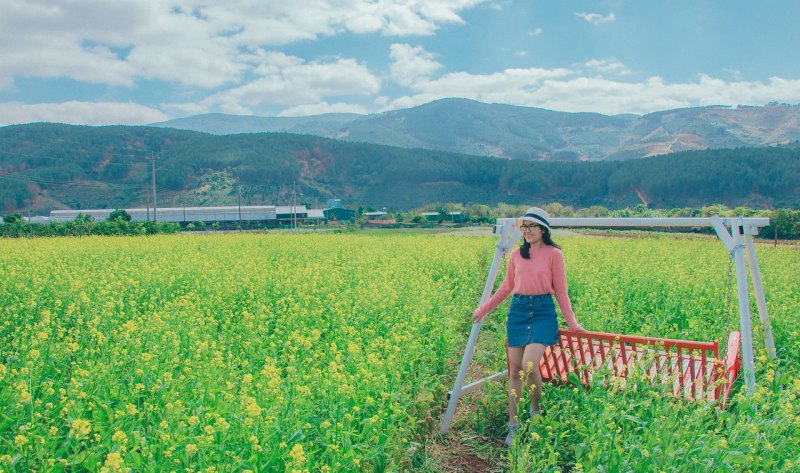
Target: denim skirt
[532, 319]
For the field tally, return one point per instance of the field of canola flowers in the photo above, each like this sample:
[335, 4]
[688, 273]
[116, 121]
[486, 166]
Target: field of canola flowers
[332, 352]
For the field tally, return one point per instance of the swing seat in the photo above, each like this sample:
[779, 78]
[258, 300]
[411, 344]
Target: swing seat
[694, 370]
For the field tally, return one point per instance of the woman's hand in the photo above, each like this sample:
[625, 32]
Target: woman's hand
[476, 317]
[579, 328]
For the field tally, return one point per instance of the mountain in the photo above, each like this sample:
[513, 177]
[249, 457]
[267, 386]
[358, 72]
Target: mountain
[222, 124]
[48, 166]
[531, 134]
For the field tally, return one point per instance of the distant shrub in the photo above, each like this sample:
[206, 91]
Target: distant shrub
[120, 214]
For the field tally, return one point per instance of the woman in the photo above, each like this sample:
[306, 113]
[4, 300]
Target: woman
[535, 273]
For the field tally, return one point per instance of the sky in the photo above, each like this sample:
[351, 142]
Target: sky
[134, 62]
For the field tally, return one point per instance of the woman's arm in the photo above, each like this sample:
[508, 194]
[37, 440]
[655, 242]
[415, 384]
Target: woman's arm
[562, 295]
[500, 295]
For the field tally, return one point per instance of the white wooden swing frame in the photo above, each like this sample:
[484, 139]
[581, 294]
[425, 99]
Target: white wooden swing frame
[735, 233]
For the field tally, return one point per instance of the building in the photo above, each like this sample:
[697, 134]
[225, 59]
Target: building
[291, 214]
[338, 214]
[447, 217]
[227, 214]
[375, 215]
[249, 216]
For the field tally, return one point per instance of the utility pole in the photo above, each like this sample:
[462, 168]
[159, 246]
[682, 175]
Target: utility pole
[239, 191]
[153, 162]
[147, 191]
[294, 205]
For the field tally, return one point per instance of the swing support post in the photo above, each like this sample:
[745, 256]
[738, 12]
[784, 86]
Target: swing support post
[748, 360]
[738, 241]
[758, 290]
[507, 238]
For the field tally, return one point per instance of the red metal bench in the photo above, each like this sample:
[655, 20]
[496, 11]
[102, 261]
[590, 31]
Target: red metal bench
[693, 369]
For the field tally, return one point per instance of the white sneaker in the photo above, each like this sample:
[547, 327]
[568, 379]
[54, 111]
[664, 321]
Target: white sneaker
[512, 430]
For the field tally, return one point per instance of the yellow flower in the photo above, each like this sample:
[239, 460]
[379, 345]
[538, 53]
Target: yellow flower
[113, 461]
[119, 437]
[221, 424]
[297, 454]
[80, 428]
[191, 449]
[250, 406]
[23, 393]
[129, 326]
[20, 441]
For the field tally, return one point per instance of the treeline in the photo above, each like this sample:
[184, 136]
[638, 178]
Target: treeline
[45, 166]
[784, 223]
[15, 226]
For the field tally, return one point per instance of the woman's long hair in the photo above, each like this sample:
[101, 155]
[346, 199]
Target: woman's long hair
[525, 248]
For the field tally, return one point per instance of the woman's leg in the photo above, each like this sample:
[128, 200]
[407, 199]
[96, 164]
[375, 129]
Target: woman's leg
[531, 357]
[515, 357]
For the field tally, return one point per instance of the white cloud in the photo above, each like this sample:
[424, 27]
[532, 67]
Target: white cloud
[570, 91]
[79, 113]
[596, 18]
[499, 5]
[462, 84]
[187, 42]
[735, 74]
[228, 50]
[289, 81]
[411, 64]
[607, 66]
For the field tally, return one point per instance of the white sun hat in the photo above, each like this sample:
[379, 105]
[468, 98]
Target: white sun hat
[535, 215]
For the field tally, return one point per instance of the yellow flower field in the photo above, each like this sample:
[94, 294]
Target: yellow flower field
[332, 352]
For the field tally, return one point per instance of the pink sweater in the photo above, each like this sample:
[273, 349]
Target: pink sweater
[543, 273]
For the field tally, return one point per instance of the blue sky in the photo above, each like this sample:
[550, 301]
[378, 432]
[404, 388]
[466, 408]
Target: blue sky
[141, 61]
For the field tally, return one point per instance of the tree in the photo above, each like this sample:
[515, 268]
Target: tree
[12, 218]
[120, 213]
[82, 218]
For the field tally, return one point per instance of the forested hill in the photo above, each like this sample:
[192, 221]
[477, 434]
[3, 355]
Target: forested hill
[532, 134]
[46, 166]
